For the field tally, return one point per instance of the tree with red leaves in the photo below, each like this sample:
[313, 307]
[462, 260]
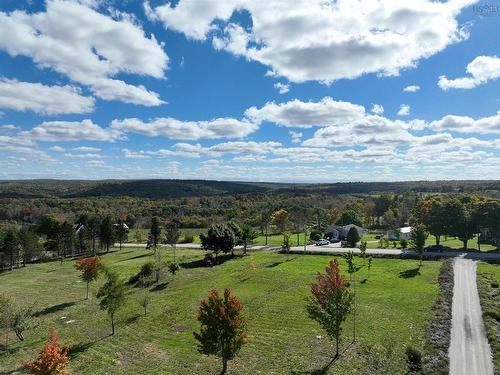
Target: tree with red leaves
[90, 268]
[331, 302]
[52, 359]
[222, 326]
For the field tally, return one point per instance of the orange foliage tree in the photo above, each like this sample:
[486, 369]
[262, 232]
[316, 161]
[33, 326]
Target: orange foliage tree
[331, 301]
[90, 268]
[52, 359]
[222, 326]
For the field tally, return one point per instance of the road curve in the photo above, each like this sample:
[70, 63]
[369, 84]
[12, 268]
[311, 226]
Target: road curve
[469, 350]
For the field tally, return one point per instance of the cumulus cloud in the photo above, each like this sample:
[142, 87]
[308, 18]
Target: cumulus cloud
[91, 53]
[282, 88]
[297, 113]
[85, 130]
[296, 136]
[411, 88]
[465, 124]
[187, 130]
[43, 99]
[481, 70]
[377, 109]
[323, 41]
[404, 110]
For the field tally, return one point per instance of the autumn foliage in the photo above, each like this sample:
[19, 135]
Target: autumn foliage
[222, 326]
[90, 268]
[52, 359]
[331, 301]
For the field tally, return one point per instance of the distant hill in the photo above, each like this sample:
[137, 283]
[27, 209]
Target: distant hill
[163, 189]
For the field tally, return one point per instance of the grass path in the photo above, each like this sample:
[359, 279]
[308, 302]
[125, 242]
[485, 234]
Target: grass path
[393, 303]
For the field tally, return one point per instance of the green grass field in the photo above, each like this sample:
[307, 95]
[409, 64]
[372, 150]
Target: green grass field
[393, 307]
[451, 242]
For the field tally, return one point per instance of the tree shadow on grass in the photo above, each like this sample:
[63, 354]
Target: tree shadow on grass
[272, 265]
[53, 309]
[132, 319]
[408, 274]
[200, 263]
[323, 370]
[160, 287]
[19, 370]
[136, 257]
[82, 347]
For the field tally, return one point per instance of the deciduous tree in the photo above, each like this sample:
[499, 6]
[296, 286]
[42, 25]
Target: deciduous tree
[112, 295]
[222, 326]
[90, 267]
[172, 234]
[248, 235]
[219, 237]
[418, 236]
[121, 232]
[331, 302]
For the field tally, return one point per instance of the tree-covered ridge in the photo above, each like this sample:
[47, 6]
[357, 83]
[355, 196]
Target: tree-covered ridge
[162, 189]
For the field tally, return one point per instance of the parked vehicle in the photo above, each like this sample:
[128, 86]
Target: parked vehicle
[435, 249]
[322, 242]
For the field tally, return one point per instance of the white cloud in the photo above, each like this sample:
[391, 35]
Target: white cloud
[42, 99]
[92, 52]
[85, 130]
[86, 149]
[57, 149]
[411, 88]
[83, 156]
[404, 110]
[296, 113]
[465, 124]
[187, 130]
[377, 109]
[323, 41]
[283, 88]
[296, 136]
[481, 70]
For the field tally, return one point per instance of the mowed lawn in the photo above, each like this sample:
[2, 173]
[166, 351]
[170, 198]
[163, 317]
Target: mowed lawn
[393, 307]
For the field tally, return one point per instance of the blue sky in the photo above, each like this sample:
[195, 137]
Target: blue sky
[250, 90]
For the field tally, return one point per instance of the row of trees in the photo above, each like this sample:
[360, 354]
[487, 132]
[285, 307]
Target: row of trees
[461, 216]
[223, 329]
[54, 239]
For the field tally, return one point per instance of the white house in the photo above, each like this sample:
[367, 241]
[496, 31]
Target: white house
[401, 233]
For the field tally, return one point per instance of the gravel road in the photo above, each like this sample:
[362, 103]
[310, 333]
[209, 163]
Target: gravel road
[469, 349]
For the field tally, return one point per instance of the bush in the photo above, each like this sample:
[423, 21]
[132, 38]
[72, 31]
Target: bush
[315, 235]
[404, 243]
[383, 243]
[209, 260]
[144, 274]
[187, 238]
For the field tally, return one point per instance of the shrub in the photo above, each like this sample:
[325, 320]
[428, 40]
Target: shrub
[404, 243]
[187, 238]
[144, 274]
[315, 235]
[209, 260]
[52, 359]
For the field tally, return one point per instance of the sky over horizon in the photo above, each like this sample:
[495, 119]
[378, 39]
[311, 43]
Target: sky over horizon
[279, 91]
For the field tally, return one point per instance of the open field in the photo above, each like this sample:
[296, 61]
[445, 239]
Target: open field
[451, 242]
[393, 307]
